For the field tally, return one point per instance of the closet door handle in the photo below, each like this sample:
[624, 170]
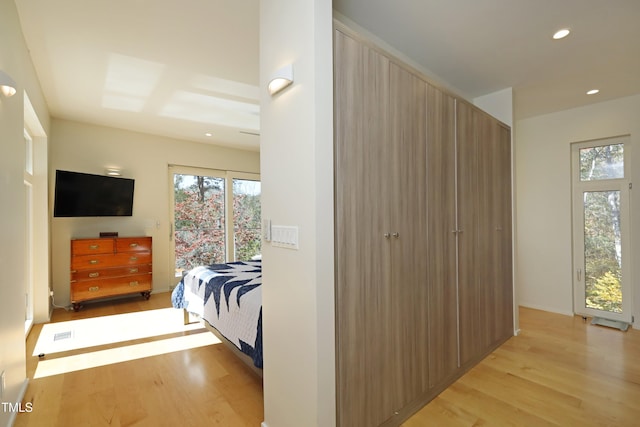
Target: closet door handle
[396, 235]
[387, 235]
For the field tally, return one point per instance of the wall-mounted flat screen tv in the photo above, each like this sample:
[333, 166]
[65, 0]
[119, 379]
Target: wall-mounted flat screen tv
[82, 194]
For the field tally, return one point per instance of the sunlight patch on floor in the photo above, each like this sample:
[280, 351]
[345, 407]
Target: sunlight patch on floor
[122, 354]
[85, 333]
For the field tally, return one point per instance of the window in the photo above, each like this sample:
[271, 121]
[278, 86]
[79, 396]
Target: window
[215, 218]
[246, 219]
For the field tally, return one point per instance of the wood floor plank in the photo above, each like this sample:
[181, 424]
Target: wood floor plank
[196, 387]
[559, 371]
[487, 407]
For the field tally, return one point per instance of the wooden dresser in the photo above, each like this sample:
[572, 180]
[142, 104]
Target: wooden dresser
[110, 266]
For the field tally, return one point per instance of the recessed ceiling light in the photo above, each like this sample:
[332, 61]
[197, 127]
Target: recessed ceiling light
[208, 134]
[593, 91]
[560, 34]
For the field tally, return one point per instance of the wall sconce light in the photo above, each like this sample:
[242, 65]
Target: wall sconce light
[113, 172]
[281, 79]
[7, 85]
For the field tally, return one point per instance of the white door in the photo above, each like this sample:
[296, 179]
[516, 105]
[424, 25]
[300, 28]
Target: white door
[601, 186]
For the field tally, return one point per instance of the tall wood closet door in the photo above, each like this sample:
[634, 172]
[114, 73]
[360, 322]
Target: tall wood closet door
[441, 236]
[489, 224]
[363, 192]
[505, 268]
[409, 297]
[484, 218]
[470, 268]
[494, 228]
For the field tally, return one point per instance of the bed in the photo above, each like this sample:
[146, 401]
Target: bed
[228, 297]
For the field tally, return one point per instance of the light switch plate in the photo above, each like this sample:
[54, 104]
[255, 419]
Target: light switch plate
[284, 236]
[266, 230]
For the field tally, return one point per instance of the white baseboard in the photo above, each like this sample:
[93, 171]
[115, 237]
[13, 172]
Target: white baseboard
[21, 393]
[549, 309]
[263, 424]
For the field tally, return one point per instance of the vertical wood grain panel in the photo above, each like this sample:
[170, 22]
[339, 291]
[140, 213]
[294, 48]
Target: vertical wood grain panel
[506, 256]
[441, 222]
[468, 205]
[408, 212]
[411, 159]
[488, 214]
[362, 252]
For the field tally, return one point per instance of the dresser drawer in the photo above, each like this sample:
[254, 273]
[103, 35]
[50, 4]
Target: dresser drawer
[105, 273]
[100, 261]
[89, 289]
[92, 246]
[133, 244]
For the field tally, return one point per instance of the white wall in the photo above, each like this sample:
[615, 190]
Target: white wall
[87, 148]
[297, 173]
[498, 104]
[15, 61]
[543, 187]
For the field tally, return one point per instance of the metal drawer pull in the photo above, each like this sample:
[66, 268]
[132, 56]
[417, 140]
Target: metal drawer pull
[93, 261]
[94, 288]
[133, 258]
[94, 246]
[133, 245]
[94, 274]
[133, 283]
[133, 270]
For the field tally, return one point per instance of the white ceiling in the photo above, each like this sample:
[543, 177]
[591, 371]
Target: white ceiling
[482, 46]
[182, 69]
[165, 67]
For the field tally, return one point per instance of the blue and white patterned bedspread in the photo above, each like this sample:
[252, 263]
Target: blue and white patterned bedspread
[229, 297]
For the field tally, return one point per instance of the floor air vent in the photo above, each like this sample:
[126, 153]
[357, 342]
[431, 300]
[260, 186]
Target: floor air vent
[62, 336]
[623, 326]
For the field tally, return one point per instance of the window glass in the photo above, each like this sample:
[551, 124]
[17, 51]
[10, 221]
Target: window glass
[604, 162]
[246, 219]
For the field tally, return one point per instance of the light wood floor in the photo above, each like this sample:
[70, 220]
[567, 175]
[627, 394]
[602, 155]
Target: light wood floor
[559, 371]
[206, 386]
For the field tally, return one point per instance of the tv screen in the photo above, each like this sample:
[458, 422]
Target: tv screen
[82, 194]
